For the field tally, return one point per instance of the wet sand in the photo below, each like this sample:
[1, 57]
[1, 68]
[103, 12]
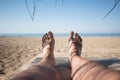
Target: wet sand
[16, 52]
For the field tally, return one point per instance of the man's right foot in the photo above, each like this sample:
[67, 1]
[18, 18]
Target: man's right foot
[48, 43]
[75, 45]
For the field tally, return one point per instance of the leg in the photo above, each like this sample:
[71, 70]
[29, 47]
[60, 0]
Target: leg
[45, 69]
[48, 43]
[83, 69]
[75, 45]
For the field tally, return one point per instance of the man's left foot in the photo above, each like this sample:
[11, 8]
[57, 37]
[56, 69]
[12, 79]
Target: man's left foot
[75, 45]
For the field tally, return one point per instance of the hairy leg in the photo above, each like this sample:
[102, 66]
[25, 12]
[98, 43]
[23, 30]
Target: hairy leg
[83, 69]
[45, 69]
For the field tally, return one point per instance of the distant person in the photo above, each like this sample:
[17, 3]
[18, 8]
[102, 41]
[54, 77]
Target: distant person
[81, 69]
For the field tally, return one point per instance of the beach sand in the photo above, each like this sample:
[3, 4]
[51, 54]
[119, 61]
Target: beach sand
[16, 52]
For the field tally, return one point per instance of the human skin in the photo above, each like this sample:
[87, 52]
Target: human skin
[45, 69]
[83, 69]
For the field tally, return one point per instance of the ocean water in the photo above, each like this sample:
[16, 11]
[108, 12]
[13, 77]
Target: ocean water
[65, 35]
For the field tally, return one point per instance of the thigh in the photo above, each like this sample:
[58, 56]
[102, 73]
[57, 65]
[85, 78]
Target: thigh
[38, 72]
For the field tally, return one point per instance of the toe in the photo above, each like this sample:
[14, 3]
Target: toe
[71, 35]
[50, 34]
[46, 36]
[80, 40]
[43, 40]
[76, 36]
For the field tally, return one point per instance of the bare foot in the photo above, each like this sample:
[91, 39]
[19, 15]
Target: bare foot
[48, 43]
[75, 44]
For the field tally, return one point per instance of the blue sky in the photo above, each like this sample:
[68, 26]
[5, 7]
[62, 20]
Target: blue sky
[83, 16]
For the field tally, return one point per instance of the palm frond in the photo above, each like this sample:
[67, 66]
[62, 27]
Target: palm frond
[114, 6]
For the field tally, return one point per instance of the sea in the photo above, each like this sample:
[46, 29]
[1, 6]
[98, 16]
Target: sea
[62, 35]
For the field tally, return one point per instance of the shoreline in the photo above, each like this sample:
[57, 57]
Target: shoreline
[59, 34]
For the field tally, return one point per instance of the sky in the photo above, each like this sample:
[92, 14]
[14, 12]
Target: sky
[82, 16]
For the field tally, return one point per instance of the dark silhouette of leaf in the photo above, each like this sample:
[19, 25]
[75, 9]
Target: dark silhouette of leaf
[114, 6]
[32, 15]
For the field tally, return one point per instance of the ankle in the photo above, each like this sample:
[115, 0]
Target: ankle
[72, 55]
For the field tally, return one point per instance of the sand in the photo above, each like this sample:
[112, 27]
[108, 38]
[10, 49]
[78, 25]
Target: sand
[16, 52]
